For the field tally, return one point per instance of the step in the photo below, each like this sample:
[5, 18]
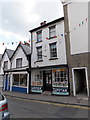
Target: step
[47, 93]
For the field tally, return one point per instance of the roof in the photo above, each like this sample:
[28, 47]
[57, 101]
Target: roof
[45, 25]
[9, 53]
[25, 48]
[66, 2]
[0, 56]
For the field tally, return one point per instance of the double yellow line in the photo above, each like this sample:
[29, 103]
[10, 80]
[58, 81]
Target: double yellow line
[51, 103]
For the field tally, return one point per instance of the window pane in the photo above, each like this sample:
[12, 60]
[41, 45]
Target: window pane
[52, 31]
[23, 79]
[38, 79]
[5, 64]
[19, 62]
[39, 36]
[39, 53]
[60, 78]
[16, 79]
[53, 50]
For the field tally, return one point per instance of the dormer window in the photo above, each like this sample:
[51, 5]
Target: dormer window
[5, 65]
[39, 36]
[19, 62]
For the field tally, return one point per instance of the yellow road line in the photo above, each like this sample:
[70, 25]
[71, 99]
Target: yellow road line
[56, 104]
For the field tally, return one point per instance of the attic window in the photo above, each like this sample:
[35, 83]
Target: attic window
[19, 62]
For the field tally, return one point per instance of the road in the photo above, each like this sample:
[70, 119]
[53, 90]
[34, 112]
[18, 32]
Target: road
[20, 108]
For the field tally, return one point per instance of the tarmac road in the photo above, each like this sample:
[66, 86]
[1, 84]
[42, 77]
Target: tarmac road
[22, 108]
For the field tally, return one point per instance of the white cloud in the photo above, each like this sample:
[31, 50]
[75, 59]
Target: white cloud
[10, 35]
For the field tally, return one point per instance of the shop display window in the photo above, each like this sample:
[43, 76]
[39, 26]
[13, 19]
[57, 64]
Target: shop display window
[60, 78]
[38, 79]
[20, 80]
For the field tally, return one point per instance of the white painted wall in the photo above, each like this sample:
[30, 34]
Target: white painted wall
[78, 12]
[61, 49]
[5, 58]
[19, 54]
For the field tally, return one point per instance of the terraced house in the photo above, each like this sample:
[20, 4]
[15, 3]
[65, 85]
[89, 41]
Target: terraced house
[49, 69]
[5, 64]
[14, 66]
[76, 17]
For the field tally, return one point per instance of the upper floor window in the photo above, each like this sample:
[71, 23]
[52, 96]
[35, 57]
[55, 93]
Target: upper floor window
[53, 50]
[39, 36]
[19, 62]
[39, 53]
[5, 64]
[52, 31]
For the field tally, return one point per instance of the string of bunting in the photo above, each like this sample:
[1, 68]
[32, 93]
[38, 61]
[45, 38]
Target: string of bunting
[73, 29]
[79, 25]
[61, 35]
[14, 43]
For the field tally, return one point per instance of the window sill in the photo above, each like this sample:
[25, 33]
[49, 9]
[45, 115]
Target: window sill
[38, 42]
[53, 58]
[52, 37]
[19, 86]
[39, 61]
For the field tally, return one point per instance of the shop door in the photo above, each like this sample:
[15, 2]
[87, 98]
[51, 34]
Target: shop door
[48, 77]
[6, 82]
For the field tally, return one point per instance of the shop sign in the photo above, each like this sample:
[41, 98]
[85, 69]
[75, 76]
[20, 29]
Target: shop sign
[37, 89]
[60, 90]
[63, 69]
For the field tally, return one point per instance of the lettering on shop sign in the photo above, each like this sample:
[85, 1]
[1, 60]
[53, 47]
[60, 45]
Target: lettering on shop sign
[59, 90]
[36, 89]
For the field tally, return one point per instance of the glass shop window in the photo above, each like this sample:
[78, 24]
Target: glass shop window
[60, 78]
[20, 80]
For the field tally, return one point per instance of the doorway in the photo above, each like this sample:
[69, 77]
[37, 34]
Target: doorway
[48, 81]
[80, 81]
[7, 82]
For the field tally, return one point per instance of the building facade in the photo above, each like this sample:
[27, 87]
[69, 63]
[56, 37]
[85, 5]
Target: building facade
[49, 69]
[13, 70]
[76, 36]
[19, 79]
[5, 65]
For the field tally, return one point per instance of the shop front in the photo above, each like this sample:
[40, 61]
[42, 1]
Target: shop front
[60, 83]
[54, 80]
[19, 82]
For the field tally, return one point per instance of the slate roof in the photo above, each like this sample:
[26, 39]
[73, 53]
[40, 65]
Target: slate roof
[47, 24]
[9, 52]
[26, 49]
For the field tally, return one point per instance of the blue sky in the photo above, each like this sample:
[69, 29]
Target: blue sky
[17, 17]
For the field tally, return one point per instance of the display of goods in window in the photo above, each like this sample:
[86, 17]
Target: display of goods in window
[60, 81]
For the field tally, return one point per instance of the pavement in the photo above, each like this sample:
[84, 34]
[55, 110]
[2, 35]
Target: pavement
[77, 100]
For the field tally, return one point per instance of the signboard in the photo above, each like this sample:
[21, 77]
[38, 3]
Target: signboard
[60, 90]
[37, 89]
[1, 80]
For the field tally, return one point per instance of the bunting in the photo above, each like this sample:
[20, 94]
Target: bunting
[14, 43]
[60, 35]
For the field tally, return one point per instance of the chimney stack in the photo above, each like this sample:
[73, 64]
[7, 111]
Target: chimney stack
[43, 23]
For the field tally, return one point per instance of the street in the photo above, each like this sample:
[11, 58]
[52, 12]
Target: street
[23, 108]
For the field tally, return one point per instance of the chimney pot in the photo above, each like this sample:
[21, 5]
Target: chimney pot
[43, 23]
